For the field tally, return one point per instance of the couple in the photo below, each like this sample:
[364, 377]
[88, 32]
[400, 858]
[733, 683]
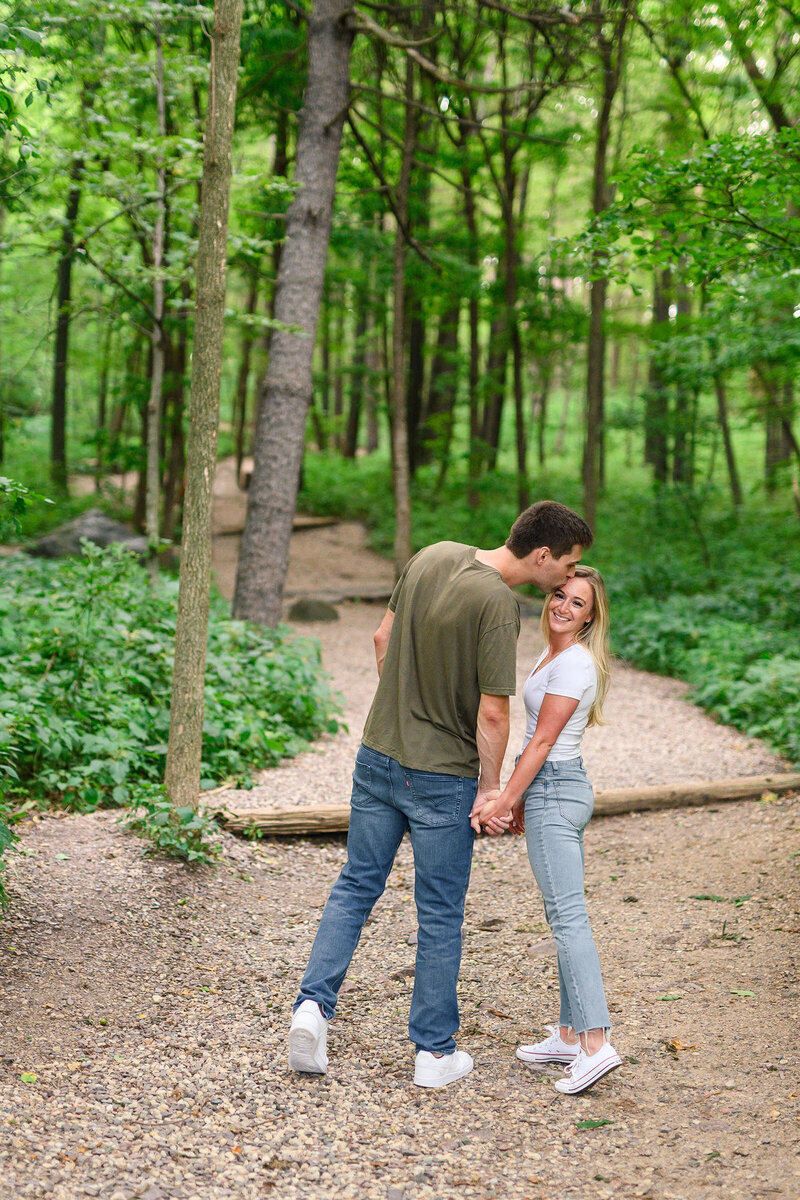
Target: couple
[430, 763]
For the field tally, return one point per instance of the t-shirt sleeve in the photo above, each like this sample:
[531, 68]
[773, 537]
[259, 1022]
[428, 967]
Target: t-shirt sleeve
[571, 675]
[398, 587]
[497, 650]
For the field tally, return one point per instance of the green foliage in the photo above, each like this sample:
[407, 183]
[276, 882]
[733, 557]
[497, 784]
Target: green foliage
[184, 832]
[6, 838]
[85, 675]
[15, 500]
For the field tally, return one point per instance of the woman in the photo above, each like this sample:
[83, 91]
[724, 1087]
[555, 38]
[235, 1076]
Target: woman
[550, 800]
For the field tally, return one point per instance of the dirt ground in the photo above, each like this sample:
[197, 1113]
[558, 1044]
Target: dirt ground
[144, 1006]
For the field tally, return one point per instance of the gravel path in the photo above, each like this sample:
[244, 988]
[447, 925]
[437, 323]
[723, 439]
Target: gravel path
[146, 1004]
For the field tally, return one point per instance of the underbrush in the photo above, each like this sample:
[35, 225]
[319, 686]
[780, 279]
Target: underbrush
[697, 591]
[86, 651]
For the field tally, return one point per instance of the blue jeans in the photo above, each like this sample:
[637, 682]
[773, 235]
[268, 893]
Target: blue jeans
[558, 806]
[387, 800]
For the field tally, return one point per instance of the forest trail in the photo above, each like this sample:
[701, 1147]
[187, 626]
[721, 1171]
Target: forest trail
[144, 1006]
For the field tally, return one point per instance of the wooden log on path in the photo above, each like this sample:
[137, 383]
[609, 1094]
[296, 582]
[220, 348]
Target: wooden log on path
[611, 802]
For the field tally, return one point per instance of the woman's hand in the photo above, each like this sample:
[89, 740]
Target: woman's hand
[517, 824]
[490, 813]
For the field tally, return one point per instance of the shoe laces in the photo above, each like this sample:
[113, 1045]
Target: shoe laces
[575, 1066]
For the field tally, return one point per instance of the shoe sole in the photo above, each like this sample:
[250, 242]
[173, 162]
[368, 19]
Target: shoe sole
[442, 1080]
[548, 1058]
[605, 1069]
[304, 1053]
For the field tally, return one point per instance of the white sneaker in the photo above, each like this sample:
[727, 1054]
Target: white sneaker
[552, 1049]
[433, 1072]
[308, 1040]
[587, 1069]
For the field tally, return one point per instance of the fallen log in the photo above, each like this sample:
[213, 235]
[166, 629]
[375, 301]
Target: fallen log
[609, 802]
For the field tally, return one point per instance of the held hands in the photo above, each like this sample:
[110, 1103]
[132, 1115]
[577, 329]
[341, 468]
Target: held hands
[492, 813]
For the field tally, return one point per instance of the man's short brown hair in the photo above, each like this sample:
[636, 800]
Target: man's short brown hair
[548, 523]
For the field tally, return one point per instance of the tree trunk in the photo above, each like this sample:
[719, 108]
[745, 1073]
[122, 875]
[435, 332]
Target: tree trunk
[102, 405]
[184, 752]
[286, 394]
[243, 377]
[724, 424]
[611, 52]
[358, 370]
[400, 454]
[174, 381]
[157, 370]
[656, 410]
[58, 432]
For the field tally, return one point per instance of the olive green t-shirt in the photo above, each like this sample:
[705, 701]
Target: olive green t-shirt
[454, 637]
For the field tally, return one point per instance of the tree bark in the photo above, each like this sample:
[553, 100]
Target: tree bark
[58, 430]
[611, 52]
[286, 394]
[400, 456]
[184, 752]
[243, 377]
[157, 369]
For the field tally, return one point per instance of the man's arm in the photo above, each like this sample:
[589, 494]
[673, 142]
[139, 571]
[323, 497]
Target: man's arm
[492, 738]
[381, 638]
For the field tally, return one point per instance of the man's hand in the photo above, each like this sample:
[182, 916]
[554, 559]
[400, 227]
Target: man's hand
[488, 814]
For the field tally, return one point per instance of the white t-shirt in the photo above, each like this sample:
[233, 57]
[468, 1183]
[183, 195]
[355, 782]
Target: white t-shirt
[571, 673]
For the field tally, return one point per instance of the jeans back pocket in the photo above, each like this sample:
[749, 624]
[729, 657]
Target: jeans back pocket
[438, 799]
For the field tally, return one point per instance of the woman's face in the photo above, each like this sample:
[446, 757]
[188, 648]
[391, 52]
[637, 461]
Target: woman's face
[570, 607]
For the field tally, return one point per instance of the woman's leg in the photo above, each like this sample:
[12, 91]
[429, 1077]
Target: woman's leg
[557, 810]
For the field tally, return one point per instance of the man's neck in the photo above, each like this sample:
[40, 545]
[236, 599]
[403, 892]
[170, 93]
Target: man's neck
[503, 561]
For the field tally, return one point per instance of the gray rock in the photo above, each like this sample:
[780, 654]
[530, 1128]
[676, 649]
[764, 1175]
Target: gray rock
[93, 525]
[307, 609]
[548, 947]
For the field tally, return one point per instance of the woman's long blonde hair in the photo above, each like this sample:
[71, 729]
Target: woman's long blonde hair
[593, 637]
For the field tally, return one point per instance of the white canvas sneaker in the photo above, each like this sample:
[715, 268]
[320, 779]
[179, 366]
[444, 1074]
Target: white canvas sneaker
[308, 1040]
[552, 1049]
[587, 1069]
[433, 1072]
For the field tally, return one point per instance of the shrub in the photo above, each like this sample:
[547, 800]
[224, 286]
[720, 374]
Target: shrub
[85, 672]
[181, 832]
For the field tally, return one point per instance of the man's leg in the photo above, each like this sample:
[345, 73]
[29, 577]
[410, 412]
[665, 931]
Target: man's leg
[442, 839]
[376, 830]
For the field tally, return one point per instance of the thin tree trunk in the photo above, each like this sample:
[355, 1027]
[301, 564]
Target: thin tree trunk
[243, 377]
[175, 373]
[611, 51]
[58, 431]
[286, 394]
[358, 369]
[724, 424]
[157, 371]
[184, 752]
[656, 411]
[400, 456]
[102, 405]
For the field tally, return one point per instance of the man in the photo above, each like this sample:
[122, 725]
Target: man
[430, 760]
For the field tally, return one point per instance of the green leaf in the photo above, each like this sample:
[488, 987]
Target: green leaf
[28, 1077]
[741, 992]
[593, 1124]
[670, 996]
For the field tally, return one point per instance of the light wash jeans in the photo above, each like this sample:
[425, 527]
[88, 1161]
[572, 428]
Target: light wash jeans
[558, 806]
[387, 800]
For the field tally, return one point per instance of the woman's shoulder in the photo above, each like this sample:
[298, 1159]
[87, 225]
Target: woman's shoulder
[579, 658]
